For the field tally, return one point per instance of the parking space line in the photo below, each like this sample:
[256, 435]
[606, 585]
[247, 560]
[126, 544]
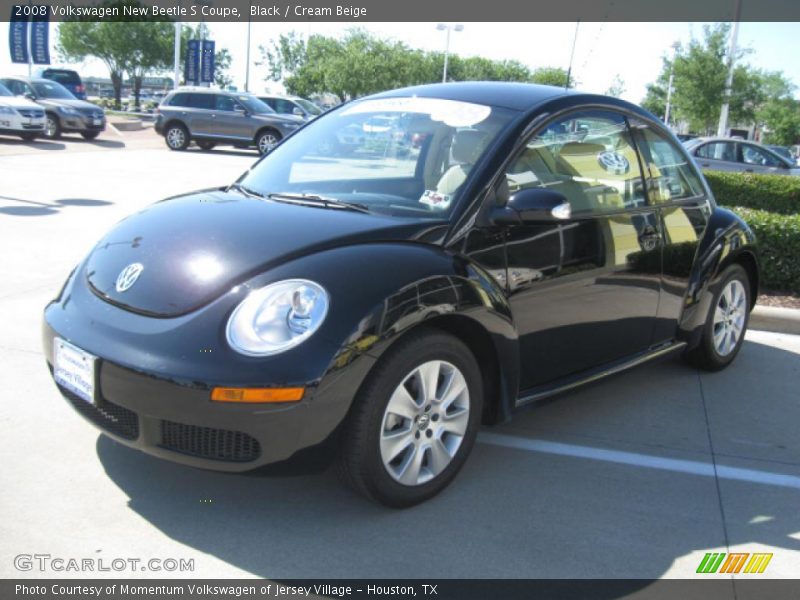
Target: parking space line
[115, 130]
[640, 460]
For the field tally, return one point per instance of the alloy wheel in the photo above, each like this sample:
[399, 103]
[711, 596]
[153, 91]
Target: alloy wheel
[424, 423]
[266, 142]
[176, 138]
[729, 317]
[51, 128]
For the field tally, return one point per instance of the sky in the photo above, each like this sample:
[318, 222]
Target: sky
[604, 50]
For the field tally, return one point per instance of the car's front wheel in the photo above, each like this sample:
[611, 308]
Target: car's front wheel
[414, 421]
[726, 322]
[177, 137]
[266, 140]
[52, 128]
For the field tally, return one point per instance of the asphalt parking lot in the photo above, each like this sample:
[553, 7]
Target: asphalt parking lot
[636, 477]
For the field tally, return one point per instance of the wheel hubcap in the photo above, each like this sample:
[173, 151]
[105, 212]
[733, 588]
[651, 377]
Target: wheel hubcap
[175, 138]
[424, 423]
[729, 317]
[51, 127]
[266, 142]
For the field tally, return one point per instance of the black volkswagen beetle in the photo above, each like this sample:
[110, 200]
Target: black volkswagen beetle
[482, 246]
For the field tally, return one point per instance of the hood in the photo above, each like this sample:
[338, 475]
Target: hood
[79, 105]
[276, 117]
[18, 102]
[196, 247]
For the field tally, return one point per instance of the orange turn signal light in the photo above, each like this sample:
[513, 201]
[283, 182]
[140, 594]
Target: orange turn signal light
[255, 395]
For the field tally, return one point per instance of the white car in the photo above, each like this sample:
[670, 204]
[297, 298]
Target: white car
[19, 116]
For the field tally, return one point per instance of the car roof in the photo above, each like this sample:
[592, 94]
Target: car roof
[30, 79]
[205, 90]
[517, 96]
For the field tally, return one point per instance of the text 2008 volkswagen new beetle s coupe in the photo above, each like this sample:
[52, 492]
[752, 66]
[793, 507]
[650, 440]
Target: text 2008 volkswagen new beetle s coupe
[397, 272]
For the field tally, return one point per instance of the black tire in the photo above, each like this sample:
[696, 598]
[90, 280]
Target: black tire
[360, 462]
[28, 137]
[707, 355]
[206, 145]
[266, 140]
[177, 137]
[52, 129]
[90, 135]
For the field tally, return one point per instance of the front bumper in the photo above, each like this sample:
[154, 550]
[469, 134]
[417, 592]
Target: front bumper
[153, 385]
[18, 124]
[81, 123]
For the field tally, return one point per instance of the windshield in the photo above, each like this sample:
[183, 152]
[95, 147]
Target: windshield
[254, 105]
[4, 91]
[398, 156]
[310, 107]
[51, 89]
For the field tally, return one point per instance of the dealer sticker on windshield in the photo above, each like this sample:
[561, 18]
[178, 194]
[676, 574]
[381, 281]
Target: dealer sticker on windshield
[436, 200]
[74, 369]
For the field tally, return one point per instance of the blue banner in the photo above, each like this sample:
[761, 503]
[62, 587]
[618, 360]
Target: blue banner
[40, 39]
[191, 68]
[18, 38]
[207, 70]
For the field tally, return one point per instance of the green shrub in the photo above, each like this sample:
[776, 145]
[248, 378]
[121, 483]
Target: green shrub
[775, 193]
[779, 247]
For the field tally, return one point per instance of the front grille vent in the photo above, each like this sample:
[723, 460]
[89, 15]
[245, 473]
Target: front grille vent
[106, 415]
[209, 442]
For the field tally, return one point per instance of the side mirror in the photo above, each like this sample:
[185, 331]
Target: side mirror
[29, 96]
[533, 205]
[298, 112]
[240, 110]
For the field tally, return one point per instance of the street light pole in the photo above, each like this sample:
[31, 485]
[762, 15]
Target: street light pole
[723, 113]
[177, 74]
[447, 28]
[675, 47]
[247, 69]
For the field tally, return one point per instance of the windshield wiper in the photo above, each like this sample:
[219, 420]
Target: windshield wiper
[317, 200]
[245, 191]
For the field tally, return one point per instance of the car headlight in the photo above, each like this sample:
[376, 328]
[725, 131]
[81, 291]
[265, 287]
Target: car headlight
[67, 110]
[7, 110]
[277, 317]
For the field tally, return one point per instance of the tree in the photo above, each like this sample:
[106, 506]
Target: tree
[617, 87]
[135, 47]
[360, 64]
[780, 112]
[554, 76]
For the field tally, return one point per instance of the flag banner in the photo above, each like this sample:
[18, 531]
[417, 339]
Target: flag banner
[40, 39]
[191, 71]
[207, 69]
[18, 37]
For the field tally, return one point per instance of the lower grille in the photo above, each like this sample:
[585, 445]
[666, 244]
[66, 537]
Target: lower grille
[31, 114]
[209, 442]
[106, 415]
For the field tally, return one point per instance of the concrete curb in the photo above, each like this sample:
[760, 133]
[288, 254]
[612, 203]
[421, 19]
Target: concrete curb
[776, 319]
[127, 124]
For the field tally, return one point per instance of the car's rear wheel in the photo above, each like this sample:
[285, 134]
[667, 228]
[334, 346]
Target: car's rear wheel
[90, 135]
[414, 421]
[52, 127]
[266, 140]
[726, 322]
[177, 137]
[206, 145]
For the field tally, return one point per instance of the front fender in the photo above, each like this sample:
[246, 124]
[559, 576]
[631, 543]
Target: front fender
[727, 240]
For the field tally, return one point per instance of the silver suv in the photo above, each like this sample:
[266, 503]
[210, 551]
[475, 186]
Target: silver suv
[211, 117]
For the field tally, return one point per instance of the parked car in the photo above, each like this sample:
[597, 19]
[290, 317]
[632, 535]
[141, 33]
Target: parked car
[20, 116]
[212, 117]
[400, 303]
[292, 105]
[64, 113]
[728, 154]
[66, 77]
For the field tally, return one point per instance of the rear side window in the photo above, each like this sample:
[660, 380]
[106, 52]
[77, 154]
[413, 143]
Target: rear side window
[667, 171]
[225, 103]
[756, 156]
[589, 157]
[202, 101]
[718, 151]
[180, 99]
[271, 102]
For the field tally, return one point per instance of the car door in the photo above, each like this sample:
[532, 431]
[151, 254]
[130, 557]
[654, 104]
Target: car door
[230, 119]
[584, 291]
[718, 156]
[758, 160]
[675, 189]
[201, 115]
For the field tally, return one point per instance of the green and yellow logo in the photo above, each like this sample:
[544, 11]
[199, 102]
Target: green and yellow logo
[713, 562]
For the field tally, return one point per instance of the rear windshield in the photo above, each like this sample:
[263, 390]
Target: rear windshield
[62, 76]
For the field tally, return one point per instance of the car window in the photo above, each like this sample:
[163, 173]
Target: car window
[589, 157]
[51, 89]
[309, 107]
[4, 91]
[62, 77]
[752, 155]
[284, 106]
[269, 101]
[225, 103]
[179, 99]
[201, 101]
[718, 151]
[668, 172]
[408, 157]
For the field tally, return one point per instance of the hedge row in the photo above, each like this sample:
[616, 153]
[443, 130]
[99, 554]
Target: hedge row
[779, 247]
[775, 193]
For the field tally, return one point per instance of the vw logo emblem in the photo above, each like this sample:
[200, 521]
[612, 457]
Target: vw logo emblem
[613, 162]
[128, 276]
